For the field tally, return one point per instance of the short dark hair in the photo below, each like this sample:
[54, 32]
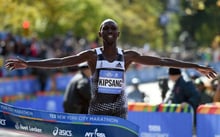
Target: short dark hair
[106, 20]
[174, 71]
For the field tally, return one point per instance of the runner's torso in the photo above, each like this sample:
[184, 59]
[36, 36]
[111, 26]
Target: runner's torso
[108, 86]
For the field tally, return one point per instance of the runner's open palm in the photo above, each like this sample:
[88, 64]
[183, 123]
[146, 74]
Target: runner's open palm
[17, 63]
[207, 71]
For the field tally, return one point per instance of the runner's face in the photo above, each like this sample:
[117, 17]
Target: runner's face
[109, 31]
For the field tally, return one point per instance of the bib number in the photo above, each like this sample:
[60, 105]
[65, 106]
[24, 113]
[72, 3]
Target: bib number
[110, 81]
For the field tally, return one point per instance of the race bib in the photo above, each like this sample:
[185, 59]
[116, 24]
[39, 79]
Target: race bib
[110, 81]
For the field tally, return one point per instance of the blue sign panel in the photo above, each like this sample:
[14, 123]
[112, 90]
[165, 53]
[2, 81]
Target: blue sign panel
[208, 125]
[162, 121]
[165, 124]
[208, 120]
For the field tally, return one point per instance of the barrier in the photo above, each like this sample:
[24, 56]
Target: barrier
[62, 81]
[26, 85]
[42, 102]
[164, 120]
[63, 124]
[208, 120]
[29, 85]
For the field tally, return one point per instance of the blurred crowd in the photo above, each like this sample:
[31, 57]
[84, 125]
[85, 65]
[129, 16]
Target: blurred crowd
[63, 45]
[12, 46]
[32, 47]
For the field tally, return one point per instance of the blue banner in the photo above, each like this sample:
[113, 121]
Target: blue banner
[64, 124]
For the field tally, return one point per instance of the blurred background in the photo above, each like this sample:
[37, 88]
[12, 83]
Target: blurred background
[181, 29]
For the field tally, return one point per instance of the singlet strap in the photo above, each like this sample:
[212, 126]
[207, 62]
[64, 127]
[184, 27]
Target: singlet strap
[98, 51]
[120, 51]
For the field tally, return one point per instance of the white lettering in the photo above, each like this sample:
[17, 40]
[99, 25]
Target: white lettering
[104, 82]
[55, 131]
[154, 128]
[20, 126]
[17, 111]
[83, 118]
[104, 119]
[144, 134]
[62, 132]
[89, 134]
[35, 129]
[72, 118]
[95, 134]
[53, 116]
[2, 122]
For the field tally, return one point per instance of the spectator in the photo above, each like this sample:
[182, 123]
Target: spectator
[204, 96]
[77, 95]
[136, 95]
[183, 92]
[164, 87]
[216, 87]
